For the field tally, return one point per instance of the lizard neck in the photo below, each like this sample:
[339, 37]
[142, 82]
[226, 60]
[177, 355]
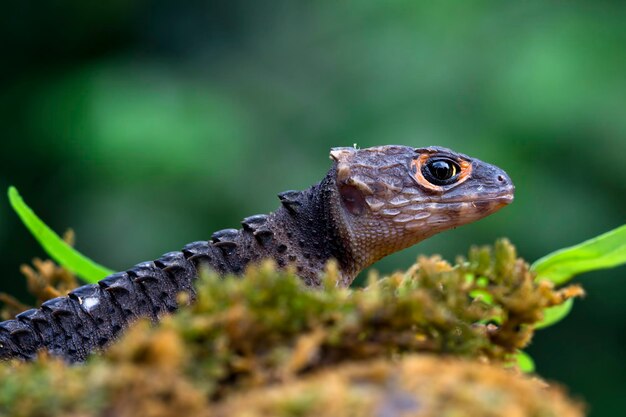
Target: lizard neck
[311, 227]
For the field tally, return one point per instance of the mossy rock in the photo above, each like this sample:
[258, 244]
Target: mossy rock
[429, 341]
[416, 385]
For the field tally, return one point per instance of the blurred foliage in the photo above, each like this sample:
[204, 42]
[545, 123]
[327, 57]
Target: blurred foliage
[145, 125]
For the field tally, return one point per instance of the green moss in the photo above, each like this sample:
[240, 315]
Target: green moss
[242, 335]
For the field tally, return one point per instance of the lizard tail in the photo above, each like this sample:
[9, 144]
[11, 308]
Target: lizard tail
[92, 316]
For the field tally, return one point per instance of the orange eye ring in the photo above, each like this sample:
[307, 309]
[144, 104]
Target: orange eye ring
[451, 173]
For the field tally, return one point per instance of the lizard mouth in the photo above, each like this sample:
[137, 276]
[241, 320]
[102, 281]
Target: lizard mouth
[506, 197]
[503, 199]
[492, 204]
[471, 207]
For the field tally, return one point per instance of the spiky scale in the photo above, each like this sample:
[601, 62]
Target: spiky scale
[97, 309]
[225, 240]
[252, 223]
[156, 285]
[61, 342]
[63, 312]
[40, 322]
[8, 348]
[27, 317]
[290, 199]
[263, 235]
[179, 270]
[58, 307]
[224, 236]
[101, 318]
[198, 253]
[258, 226]
[116, 282]
[128, 296]
[22, 333]
[23, 336]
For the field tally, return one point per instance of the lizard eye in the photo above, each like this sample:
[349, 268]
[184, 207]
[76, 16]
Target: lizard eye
[441, 171]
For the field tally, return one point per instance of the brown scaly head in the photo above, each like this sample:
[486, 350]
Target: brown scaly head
[392, 197]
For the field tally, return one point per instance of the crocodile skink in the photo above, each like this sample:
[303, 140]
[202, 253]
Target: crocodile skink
[371, 203]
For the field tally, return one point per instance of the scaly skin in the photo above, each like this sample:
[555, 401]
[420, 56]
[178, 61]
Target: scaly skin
[371, 203]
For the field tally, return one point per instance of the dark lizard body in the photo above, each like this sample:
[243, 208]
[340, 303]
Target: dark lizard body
[371, 203]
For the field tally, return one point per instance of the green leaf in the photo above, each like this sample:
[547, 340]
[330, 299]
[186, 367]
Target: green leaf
[482, 282]
[605, 251]
[525, 363]
[482, 295]
[522, 360]
[553, 315]
[57, 249]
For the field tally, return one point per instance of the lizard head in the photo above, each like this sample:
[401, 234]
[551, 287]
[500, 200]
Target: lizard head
[392, 197]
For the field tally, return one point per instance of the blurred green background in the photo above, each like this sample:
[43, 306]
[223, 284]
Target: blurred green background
[145, 125]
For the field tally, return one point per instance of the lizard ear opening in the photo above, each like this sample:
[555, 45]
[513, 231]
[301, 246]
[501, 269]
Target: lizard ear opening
[353, 199]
